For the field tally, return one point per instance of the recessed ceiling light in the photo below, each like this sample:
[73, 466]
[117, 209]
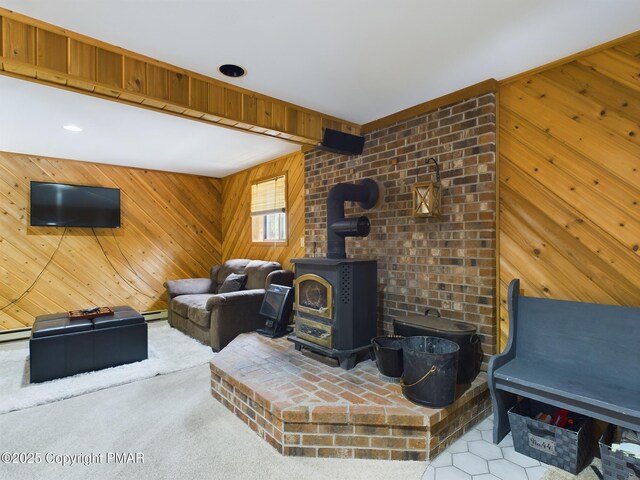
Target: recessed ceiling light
[231, 70]
[72, 128]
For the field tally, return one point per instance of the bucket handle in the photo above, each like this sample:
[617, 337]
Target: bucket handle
[437, 312]
[432, 370]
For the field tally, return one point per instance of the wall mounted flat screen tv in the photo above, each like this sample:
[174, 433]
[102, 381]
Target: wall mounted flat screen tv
[62, 205]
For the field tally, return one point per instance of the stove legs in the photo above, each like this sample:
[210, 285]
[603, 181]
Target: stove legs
[347, 359]
[347, 363]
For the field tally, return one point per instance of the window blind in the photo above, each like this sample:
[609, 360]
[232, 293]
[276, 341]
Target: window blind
[268, 196]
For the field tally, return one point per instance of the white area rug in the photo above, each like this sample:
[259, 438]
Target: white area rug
[169, 351]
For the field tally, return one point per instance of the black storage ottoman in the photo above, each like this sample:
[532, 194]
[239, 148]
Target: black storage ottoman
[560, 447]
[60, 347]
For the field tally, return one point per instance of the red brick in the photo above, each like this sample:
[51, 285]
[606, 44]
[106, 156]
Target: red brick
[372, 453]
[336, 429]
[366, 415]
[330, 414]
[330, 387]
[273, 442]
[327, 397]
[300, 427]
[417, 443]
[403, 416]
[300, 451]
[317, 440]
[388, 442]
[371, 430]
[352, 398]
[297, 414]
[352, 441]
[409, 455]
[310, 377]
[335, 452]
[291, 439]
[376, 399]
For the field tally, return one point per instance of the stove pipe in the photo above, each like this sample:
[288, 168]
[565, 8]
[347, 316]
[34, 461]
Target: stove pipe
[338, 227]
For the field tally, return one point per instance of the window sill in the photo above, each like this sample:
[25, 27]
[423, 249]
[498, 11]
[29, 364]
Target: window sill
[279, 243]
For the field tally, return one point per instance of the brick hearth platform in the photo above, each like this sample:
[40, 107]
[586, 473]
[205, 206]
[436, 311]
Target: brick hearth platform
[304, 407]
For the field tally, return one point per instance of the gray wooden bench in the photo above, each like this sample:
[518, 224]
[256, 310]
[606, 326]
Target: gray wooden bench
[580, 356]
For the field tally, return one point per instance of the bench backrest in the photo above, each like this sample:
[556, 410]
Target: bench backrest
[583, 337]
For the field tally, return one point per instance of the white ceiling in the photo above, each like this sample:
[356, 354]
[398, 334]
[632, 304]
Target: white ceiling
[355, 59]
[33, 116]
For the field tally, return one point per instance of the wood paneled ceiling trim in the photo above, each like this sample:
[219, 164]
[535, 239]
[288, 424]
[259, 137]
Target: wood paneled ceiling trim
[34, 50]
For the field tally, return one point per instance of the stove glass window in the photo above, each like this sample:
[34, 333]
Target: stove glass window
[313, 295]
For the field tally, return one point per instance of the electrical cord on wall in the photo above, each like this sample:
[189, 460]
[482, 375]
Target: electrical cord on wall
[13, 302]
[115, 240]
[104, 252]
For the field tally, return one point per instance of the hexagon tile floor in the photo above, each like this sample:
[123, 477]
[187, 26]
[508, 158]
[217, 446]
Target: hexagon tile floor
[475, 457]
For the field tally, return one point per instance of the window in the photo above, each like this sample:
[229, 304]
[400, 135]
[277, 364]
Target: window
[269, 210]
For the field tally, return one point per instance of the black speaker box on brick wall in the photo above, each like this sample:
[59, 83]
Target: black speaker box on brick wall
[340, 142]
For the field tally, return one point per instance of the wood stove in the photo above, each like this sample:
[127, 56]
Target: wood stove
[336, 297]
[335, 307]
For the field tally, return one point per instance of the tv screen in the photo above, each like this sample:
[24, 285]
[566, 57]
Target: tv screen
[62, 205]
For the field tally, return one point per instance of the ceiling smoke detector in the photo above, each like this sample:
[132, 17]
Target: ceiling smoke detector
[231, 70]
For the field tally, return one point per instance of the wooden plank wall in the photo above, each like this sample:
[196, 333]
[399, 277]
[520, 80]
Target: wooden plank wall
[569, 150]
[236, 221]
[170, 229]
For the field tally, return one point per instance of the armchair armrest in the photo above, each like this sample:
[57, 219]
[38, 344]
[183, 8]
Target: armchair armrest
[234, 313]
[280, 277]
[235, 298]
[187, 286]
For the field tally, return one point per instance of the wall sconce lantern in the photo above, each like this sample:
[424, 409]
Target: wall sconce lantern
[427, 196]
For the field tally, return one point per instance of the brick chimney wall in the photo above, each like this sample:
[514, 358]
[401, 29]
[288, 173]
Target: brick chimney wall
[447, 262]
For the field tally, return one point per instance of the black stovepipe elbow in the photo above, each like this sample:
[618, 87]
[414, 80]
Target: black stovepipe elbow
[338, 227]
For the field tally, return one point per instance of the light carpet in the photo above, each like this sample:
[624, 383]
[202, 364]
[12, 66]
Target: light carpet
[169, 351]
[181, 430]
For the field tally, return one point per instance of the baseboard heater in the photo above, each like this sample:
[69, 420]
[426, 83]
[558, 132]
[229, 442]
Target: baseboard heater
[154, 315]
[15, 334]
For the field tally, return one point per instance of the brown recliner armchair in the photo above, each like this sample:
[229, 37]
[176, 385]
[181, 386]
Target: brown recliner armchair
[206, 309]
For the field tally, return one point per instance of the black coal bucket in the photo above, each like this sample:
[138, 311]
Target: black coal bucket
[388, 354]
[430, 371]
